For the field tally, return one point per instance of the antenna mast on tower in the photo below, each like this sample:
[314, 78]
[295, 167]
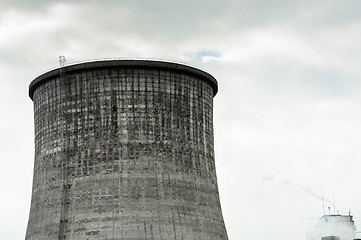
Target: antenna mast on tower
[334, 204]
[62, 61]
[323, 202]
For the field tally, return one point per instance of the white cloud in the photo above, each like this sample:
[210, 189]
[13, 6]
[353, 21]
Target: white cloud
[288, 105]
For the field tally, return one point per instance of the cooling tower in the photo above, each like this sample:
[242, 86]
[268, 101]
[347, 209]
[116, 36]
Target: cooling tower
[124, 150]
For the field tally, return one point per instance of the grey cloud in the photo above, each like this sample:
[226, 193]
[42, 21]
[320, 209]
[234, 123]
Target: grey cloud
[268, 118]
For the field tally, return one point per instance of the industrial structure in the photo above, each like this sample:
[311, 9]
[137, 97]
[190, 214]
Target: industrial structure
[124, 149]
[331, 238]
[333, 227]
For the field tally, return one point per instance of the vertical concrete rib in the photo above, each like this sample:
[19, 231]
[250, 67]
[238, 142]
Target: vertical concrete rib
[64, 173]
[124, 150]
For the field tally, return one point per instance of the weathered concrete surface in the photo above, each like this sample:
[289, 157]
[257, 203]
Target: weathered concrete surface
[124, 151]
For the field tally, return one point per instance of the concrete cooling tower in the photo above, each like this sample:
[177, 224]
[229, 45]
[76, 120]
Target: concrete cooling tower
[124, 150]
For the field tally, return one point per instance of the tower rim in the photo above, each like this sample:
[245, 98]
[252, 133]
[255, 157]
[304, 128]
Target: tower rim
[104, 63]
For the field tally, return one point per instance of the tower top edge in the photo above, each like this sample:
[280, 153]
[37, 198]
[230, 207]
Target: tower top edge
[94, 64]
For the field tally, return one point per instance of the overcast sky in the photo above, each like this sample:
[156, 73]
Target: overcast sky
[287, 116]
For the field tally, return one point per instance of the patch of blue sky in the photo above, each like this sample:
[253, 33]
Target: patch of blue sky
[208, 53]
